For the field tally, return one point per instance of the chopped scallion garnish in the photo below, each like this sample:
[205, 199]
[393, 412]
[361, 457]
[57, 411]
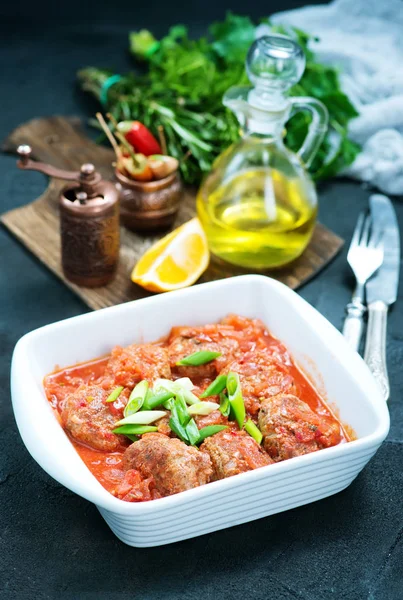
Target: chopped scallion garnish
[203, 408]
[198, 358]
[210, 430]
[144, 417]
[140, 390]
[235, 397]
[152, 401]
[136, 398]
[183, 385]
[225, 406]
[192, 432]
[135, 429]
[253, 431]
[216, 387]
[115, 394]
[178, 429]
[179, 409]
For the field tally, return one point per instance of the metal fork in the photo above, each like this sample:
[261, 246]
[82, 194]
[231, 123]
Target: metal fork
[365, 256]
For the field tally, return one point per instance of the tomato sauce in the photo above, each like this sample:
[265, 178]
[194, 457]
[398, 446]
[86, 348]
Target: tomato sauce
[106, 466]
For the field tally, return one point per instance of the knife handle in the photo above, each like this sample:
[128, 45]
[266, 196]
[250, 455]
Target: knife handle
[353, 324]
[375, 347]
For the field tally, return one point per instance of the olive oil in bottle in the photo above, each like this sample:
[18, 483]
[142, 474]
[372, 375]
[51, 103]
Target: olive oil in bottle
[258, 219]
[258, 205]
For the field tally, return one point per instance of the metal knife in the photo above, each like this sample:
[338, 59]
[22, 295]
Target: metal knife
[381, 290]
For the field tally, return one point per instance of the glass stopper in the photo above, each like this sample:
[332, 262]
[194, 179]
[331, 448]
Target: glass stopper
[275, 62]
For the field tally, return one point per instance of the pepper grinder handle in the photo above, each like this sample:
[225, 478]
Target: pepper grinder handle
[87, 176]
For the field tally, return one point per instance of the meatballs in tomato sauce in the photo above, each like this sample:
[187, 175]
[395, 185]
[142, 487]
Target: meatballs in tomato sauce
[86, 416]
[174, 466]
[184, 341]
[261, 377]
[233, 452]
[290, 428]
[127, 366]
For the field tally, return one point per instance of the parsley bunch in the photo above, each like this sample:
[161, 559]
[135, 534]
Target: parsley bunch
[184, 83]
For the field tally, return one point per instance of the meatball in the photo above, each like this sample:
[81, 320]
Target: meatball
[261, 377]
[234, 452]
[174, 466]
[253, 335]
[88, 419]
[187, 340]
[290, 428]
[127, 366]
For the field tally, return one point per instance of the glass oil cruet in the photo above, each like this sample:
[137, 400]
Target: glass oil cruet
[258, 205]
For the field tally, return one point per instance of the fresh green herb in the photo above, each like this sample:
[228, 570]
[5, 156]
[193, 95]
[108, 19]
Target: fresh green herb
[182, 386]
[139, 391]
[178, 429]
[179, 410]
[198, 358]
[134, 429]
[183, 88]
[253, 431]
[133, 406]
[225, 406]
[216, 387]
[192, 432]
[115, 394]
[203, 408]
[152, 401]
[210, 430]
[144, 417]
[136, 398]
[235, 397]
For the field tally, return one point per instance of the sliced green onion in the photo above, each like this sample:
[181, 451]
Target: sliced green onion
[161, 385]
[206, 432]
[183, 385]
[189, 397]
[216, 387]
[136, 398]
[152, 401]
[145, 417]
[225, 406]
[203, 408]
[192, 432]
[140, 390]
[115, 394]
[198, 358]
[179, 410]
[133, 438]
[178, 429]
[134, 429]
[235, 397]
[253, 431]
[133, 406]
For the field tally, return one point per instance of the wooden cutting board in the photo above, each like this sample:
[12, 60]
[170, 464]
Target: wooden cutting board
[61, 142]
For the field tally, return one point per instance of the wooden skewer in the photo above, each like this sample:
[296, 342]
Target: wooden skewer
[163, 142]
[110, 137]
[122, 139]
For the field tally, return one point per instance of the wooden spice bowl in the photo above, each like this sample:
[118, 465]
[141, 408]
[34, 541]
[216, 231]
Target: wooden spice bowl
[151, 205]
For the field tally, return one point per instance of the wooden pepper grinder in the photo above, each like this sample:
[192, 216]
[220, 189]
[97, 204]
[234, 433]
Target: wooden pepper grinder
[89, 222]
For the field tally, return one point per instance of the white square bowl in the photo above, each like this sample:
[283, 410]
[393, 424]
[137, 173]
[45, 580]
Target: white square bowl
[317, 347]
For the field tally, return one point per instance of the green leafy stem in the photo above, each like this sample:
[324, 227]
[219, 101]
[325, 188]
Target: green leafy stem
[184, 83]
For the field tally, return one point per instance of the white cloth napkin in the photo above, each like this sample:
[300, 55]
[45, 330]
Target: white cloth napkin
[365, 39]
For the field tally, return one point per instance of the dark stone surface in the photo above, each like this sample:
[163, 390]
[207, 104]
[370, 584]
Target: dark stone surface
[53, 544]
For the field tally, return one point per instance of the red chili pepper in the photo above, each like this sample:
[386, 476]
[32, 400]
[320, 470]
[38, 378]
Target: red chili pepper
[140, 137]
